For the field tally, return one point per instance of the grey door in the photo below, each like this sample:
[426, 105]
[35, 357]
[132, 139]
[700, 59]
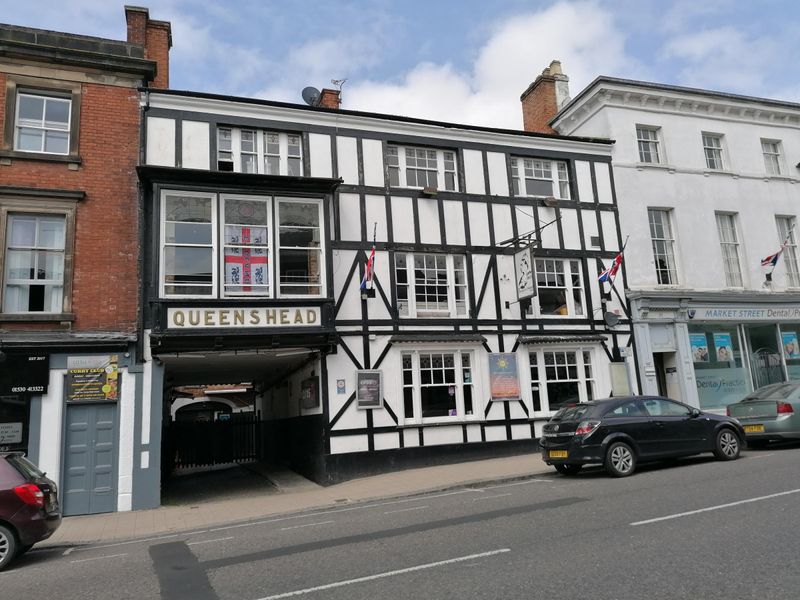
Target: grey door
[90, 459]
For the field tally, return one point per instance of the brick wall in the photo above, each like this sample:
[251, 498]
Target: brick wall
[105, 289]
[539, 105]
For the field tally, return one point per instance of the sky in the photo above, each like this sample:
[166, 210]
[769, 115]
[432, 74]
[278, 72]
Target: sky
[463, 61]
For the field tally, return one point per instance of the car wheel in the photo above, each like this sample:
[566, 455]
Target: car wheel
[728, 446]
[8, 546]
[568, 469]
[620, 459]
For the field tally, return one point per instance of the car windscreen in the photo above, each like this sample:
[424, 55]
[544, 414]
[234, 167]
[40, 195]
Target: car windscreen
[573, 413]
[25, 467]
[773, 392]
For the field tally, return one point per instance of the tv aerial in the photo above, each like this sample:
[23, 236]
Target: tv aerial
[311, 96]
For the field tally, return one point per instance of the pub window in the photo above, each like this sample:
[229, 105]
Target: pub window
[256, 151]
[300, 254]
[438, 385]
[430, 285]
[560, 378]
[536, 177]
[559, 288]
[421, 167]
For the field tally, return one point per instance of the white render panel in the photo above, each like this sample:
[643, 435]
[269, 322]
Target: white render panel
[437, 436]
[194, 145]
[508, 287]
[473, 433]
[498, 174]
[351, 305]
[428, 209]
[495, 433]
[583, 174]
[525, 219]
[402, 219]
[347, 159]
[603, 177]
[503, 228]
[589, 218]
[350, 217]
[373, 162]
[349, 443]
[549, 232]
[515, 408]
[376, 214]
[375, 306]
[454, 222]
[569, 225]
[51, 441]
[127, 416]
[411, 438]
[608, 221]
[387, 441]
[473, 172]
[520, 432]
[160, 147]
[478, 220]
[319, 155]
[480, 263]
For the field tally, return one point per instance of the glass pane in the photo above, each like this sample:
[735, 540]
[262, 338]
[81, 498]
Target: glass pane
[30, 140]
[51, 233]
[246, 212]
[299, 237]
[56, 142]
[305, 214]
[23, 232]
[50, 266]
[57, 113]
[561, 393]
[188, 265]
[538, 187]
[193, 210]
[553, 302]
[439, 401]
[295, 166]
[249, 163]
[273, 164]
[246, 267]
[31, 108]
[718, 362]
[224, 141]
[20, 264]
[187, 233]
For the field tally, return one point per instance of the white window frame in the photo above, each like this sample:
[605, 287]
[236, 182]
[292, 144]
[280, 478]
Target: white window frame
[217, 245]
[478, 406]
[261, 149]
[402, 167]
[718, 151]
[43, 124]
[653, 144]
[535, 309]
[730, 248]
[670, 244]
[518, 165]
[785, 224]
[540, 383]
[452, 308]
[773, 161]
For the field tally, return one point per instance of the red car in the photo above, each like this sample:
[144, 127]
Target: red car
[29, 510]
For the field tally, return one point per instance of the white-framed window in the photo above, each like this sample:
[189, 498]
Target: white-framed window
[772, 156]
[421, 167]
[42, 123]
[786, 226]
[559, 284]
[712, 148]
[663, 245]
[204, 234]
[560, 377]
[648, 143]
[256, 151]
[541, 178]
[34, 263]
[430, 285]
[438, 385]
[729, 244]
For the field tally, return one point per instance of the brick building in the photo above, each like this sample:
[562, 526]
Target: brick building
[69, 255]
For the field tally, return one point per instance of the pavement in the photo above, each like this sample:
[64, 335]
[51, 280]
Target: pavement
[288, 493]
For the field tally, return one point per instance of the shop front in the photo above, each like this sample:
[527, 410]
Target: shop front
[711, 349]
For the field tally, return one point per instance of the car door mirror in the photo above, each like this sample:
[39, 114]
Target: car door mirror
[696, 412]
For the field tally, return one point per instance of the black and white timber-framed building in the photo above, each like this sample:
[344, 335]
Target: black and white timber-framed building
[259, 219]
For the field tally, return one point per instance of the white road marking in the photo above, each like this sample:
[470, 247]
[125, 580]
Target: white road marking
[98, 558]
[68, 551]
[209, 541]
[710, 508]
[762, 455]
[306, 525]
[337, 584]
[391, 512]
[526, 482]
[490, 497]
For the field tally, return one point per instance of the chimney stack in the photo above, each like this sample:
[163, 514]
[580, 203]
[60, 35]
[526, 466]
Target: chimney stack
[155, 36]
[544, 98]
[330, 98]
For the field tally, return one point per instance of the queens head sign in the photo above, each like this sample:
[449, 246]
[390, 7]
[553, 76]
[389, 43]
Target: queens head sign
[242, 318]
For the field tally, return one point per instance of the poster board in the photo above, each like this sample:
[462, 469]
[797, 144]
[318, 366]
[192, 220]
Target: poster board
[93, 378]
[503, 377]
[369, 389]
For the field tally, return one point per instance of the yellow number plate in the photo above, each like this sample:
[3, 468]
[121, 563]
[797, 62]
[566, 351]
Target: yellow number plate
[754, 429]
[558, 454]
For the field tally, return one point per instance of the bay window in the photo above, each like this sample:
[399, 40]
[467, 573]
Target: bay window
[205, 234]
[437, 384]
[256, 151]
[535, 177]
[421, 167]
[560, 377]
[430, 285]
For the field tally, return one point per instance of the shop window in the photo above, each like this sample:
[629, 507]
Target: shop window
[421, 167]
[542, 178]
[430, 285]
[720, 374]
[559, 288]
[14, 422]
[206, 233]
[437, 385]
[663, 242]
[256, 151]
[560, 378]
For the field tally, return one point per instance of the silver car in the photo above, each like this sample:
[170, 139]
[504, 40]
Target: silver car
[770, 413]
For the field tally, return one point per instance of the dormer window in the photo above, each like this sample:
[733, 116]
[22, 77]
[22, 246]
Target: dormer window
[262, 152]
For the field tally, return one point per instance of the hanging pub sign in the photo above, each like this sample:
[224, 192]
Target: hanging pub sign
[503, 378]
[523, 268]
[24, 373]
[93, 378]
[369, 389]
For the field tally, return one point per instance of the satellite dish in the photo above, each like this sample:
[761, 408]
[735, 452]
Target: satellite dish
[611, 319]
[311, 96]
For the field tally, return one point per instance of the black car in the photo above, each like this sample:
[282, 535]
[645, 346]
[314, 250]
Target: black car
[29, 510]
[620, 432]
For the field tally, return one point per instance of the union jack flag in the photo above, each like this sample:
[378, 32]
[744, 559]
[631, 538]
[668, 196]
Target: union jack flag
[369, 270]
[772, 259]
[611, 272]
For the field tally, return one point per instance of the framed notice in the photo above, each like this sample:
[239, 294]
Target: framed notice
[369, 389]
[93, 378]
[309, 393]
[523, 269]
[503, 376]
[699, 346]
[791, 351]
[724, 347]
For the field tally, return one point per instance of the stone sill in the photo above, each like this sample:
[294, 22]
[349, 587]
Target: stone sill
[36, 317]
[7, 156]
